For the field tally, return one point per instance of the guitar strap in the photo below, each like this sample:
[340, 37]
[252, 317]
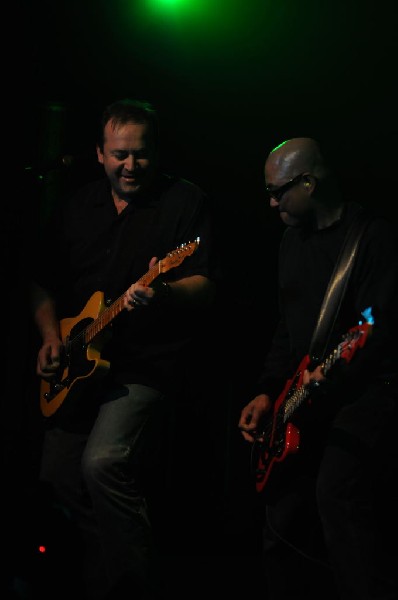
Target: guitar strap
[337, 286]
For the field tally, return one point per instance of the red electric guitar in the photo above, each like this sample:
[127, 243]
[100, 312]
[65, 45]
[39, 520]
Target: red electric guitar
[281, 437]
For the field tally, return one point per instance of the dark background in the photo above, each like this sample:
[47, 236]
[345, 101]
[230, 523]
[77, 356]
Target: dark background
[230, 81]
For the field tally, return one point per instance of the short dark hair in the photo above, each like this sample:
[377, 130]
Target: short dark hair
[129, 111]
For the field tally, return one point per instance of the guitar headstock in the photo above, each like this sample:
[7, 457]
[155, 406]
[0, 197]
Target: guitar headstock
[175, 258]
[356, 336]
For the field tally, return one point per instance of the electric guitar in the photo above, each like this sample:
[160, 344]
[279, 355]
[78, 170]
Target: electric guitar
[281, 437]
[84, 337]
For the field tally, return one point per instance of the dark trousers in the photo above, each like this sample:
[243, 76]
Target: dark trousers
[100, 479]
[331, 534]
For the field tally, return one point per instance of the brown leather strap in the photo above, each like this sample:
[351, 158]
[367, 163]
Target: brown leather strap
[337, 287]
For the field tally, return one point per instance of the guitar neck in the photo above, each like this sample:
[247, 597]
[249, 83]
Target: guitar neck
[110, 312]
[355, 338]
[171, 260]
[302, 392]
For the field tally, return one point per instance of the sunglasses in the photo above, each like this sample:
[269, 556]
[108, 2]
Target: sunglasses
[277, 193]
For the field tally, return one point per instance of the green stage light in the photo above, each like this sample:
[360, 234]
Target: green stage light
[187, 17]
[189, 33]
[178, 8]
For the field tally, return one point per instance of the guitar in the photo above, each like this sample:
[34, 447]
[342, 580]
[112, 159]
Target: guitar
[281, 437]
[84, 336]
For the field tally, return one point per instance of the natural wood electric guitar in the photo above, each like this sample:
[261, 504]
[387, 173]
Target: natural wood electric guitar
[281, 436]
[84, 336]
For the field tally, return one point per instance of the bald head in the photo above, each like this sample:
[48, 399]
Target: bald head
[297, 155]
[301, 185]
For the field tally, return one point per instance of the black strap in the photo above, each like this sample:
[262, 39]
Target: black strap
[337, 287]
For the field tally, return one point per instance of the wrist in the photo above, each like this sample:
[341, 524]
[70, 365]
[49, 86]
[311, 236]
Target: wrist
[163, 292]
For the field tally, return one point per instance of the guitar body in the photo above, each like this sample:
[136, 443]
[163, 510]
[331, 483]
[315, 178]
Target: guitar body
[82, 362]
[282, 438]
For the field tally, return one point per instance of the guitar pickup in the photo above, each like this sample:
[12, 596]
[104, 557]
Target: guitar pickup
[55, 389]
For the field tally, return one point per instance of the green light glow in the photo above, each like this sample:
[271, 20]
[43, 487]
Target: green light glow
[183, 9]
[190, 17]
[202, 36]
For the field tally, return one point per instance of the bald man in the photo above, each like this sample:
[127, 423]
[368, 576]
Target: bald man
[324, 459]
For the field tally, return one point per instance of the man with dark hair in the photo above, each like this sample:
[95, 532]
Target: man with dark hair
[130, 253]
[321, 423]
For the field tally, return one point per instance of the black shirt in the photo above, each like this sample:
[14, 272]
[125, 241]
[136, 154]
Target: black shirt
[87, 247]
[306, 262]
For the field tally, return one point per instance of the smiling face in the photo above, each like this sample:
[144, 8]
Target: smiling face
[129, 157]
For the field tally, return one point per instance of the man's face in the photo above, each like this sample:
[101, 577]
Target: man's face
[128, 157]
[291, 196]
